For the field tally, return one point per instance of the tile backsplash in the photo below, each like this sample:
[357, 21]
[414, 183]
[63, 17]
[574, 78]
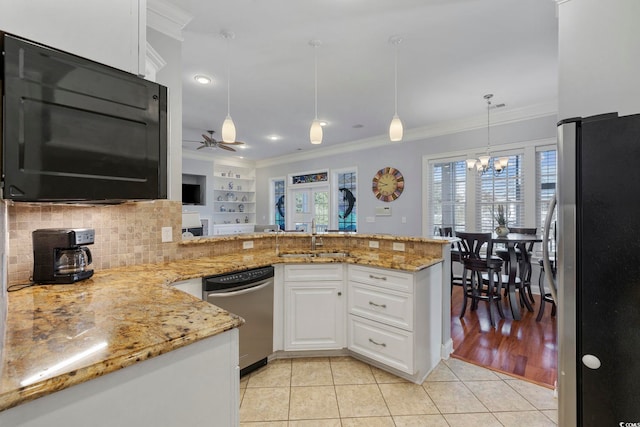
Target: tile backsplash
[126, 234]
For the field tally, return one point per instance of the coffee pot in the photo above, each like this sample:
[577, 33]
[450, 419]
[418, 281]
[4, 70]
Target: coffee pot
[59, 255]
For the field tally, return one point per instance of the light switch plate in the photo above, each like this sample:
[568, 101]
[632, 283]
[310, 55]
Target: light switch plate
[383, 211]
[374, 244]
[167, 234]
[247, 245]
[371, 219]
[398, 246]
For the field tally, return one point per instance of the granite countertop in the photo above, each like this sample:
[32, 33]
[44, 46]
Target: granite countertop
[60, 335]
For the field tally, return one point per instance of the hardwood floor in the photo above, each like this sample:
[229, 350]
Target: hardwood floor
[523, 348]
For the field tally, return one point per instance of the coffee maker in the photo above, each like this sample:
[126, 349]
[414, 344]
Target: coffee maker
[59, 255]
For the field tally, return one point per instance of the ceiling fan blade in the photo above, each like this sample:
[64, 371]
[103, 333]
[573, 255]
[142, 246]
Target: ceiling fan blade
[206, 138]
[231, 143]
[202, 146]
[225, 147]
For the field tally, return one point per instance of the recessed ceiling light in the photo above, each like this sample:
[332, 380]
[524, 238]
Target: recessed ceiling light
[274, 137]
[323, 123]
[203, 80]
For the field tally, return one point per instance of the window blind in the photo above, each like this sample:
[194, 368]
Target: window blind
[447, 194]
[505, 188]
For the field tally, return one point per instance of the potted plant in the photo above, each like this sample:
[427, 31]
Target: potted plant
[501, 219]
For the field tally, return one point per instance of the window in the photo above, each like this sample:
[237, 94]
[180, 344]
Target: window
[505, 188]
[279, 207]
[546, 170]
[347, 207]
[447, 194]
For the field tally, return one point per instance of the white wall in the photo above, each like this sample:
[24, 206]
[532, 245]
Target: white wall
[407, 157]
[170, 76]
[204, 168]
[599, 48]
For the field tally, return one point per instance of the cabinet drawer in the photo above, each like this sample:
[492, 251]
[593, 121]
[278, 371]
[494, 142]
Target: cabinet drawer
[390, 307]
[304, 272]
[388, 345]
[389, 279]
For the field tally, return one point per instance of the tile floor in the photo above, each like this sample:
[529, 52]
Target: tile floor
[342, 391]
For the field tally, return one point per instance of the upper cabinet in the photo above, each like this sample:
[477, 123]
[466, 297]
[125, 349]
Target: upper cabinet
[112, 33]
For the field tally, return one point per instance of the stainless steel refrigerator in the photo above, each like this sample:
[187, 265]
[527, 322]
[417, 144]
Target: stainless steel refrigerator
[598, 277]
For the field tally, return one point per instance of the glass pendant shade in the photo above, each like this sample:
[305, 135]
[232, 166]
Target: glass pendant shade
[228, 130]
[471, 163]
[395, 129]
[315, 133]
[484, 161]
[504, 162]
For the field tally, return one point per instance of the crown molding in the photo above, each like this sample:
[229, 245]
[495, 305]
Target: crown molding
[154, 58]
[167, 18]
[420, 134]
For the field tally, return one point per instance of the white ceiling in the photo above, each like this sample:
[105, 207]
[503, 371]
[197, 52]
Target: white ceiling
[453, 52]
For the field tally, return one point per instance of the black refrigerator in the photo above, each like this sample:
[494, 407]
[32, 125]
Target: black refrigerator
[598, 287]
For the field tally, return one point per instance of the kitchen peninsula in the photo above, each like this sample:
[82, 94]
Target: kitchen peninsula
[123, 317]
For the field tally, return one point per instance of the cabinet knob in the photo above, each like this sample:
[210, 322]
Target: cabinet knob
[339, 293]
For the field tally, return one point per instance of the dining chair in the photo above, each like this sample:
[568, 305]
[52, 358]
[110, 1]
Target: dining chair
[481, 275]
[524, 275]
[544, 295]
[456, 280]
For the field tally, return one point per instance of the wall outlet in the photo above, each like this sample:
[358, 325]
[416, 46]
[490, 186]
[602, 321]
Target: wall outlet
[374, 244]
[167, 234]
[247, 245]
[371, 219]
[397, 246]
[404, 219]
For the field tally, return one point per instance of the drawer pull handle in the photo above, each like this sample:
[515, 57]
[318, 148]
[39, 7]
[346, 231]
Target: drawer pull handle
[377, 305]
[371, 276]
[377, 343]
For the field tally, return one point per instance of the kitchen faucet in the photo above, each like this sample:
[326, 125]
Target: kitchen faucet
[314, 231]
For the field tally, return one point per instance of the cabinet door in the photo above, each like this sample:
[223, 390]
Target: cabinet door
[314, 316]
[83, 28]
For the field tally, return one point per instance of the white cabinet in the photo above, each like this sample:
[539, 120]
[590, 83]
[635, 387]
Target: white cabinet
[394, 318]
[191, 286]
[234, 198]
[196, 385]
[112, 33]
[314, 307]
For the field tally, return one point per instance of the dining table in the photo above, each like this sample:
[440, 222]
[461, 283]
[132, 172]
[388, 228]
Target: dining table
[517, 268]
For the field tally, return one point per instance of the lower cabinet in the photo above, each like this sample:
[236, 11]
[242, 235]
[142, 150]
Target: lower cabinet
[197, 385]
[314, 308]
[394, 318]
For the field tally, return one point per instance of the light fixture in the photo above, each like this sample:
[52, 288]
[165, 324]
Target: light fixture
[315, 133]
[228, 128]
[483, 164]
[203, 80]
[395, 128]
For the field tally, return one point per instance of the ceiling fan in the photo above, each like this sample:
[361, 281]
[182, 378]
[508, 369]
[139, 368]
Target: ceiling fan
[210, 142]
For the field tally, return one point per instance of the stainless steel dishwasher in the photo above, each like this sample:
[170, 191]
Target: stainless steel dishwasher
[249, 294]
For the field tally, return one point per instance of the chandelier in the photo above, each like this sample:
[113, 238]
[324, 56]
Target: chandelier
[484, 164]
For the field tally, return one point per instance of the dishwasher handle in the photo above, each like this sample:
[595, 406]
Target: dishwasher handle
[253, 288]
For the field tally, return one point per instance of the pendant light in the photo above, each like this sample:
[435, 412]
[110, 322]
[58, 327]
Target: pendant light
[395, 128]
[315, 133]
[228, 128]
[482, 164]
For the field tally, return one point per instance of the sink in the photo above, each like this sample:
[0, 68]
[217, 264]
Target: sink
[315, 255]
